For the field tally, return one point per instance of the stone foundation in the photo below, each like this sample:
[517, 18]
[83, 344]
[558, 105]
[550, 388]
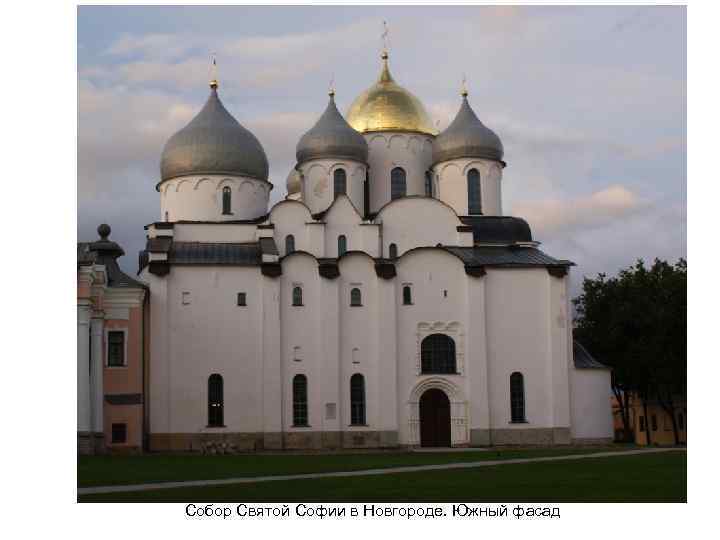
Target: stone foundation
[90, 444]
[529, 436]
[602, 441]
[293, 440]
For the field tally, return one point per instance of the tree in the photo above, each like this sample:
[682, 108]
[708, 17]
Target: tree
[636, 323]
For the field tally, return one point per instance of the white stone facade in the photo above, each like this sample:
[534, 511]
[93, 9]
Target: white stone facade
[381, 277]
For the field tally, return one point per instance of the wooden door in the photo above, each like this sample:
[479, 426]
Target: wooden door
[434, 418]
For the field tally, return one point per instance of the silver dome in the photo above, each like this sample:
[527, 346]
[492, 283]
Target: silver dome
[467, 137]
[293, 183]
[332, 137]
[213, 143]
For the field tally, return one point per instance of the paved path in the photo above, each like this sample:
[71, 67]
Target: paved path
[364, 472]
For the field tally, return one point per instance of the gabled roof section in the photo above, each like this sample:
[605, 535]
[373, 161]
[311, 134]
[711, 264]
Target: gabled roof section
[106, 252]
[337, 201]
[582, 359]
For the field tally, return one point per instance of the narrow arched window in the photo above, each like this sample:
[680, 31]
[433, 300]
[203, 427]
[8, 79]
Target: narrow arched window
[215, 400]
[289, 244]
[355, 297]
[340, 182]
[407, 295]
[517, 397]
[428, 184]
[227, 200]
[300, 401]
[297, 296]
[474, 196]
[437, 354]
[398, 186]
[167, 216]
[357, 400]
[393, 251]
[342, 245]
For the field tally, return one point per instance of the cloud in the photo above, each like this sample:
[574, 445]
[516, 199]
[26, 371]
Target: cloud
[572, 107]
[593, 211]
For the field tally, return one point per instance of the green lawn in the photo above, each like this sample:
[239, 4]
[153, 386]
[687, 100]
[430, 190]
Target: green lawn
[648, 478]
[112, 470]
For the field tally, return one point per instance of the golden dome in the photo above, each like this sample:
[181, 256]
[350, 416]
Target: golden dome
[387, 106]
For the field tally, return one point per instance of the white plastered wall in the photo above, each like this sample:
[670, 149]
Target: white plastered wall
[451, 184]
[318, 182]
[591, 409]
[199, 198]
[387, 150]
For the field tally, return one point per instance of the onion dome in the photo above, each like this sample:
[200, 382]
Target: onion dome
[293, 182]
[467, 137]
[387, 106]
[214, 143]
[332, 137]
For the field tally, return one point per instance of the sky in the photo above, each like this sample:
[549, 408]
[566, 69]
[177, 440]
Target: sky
[590, 103]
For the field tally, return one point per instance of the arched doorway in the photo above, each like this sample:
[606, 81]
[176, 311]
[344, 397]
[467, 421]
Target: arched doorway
[434, 418]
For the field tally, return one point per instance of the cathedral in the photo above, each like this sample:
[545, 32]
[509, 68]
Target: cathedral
[386, 302]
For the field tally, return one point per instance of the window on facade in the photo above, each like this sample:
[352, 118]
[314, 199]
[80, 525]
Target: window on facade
[116, 349]
[242, 299]
[300, 401]
[437, 354]
[407, 295]
[517, 397]
[393, 251]
[226, 200]
[428, 184]
[642, 423]
[185, 298]
[398, 186]
[118, 433]
[474, 196]
[653, 422]
[357, 400]
[215, 400]
[355, 297]
[342, 245]
[167, 216]
[289, 244]
[297, 296]
[681, 421]
[340, 182]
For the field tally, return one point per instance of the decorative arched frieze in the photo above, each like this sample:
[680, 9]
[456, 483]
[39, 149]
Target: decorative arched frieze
[317, 166]
[200, 181]
[459, 422]
[482, 166]
[446, 166]
[404, 140]
[451, 329]
[229, 182]
[379, 137]
[180, 183]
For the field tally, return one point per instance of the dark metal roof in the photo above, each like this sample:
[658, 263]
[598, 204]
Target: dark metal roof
[84, 255]
[240, 254]
[267, 246]
[214, 143]
[583, 360]
[504, 256]
[331, 137]
[105, 252]
[498, 229]
[467, 137]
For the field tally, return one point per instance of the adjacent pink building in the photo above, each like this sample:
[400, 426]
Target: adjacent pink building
[111, 349]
